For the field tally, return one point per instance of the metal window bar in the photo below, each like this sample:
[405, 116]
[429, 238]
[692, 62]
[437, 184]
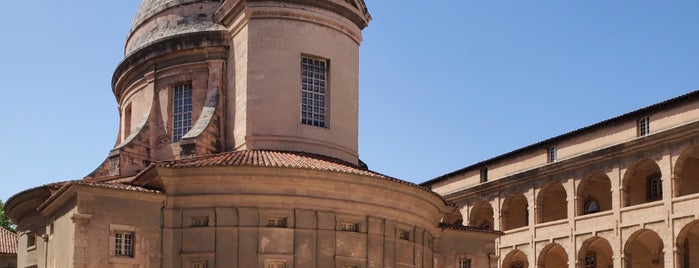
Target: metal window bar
[181, 111]
[313, 91]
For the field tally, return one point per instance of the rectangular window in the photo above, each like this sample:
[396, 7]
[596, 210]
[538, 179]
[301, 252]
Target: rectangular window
[643, 126]
[405, 235]
[350, 266]
[276, 222]
[553, 154]
[314, 77]
[181, 111]
[123, 244]
[484, 174]
[350, 227]
[655, 187]
[200, 264]
[464, 263]
[31, 240]
[200, 221]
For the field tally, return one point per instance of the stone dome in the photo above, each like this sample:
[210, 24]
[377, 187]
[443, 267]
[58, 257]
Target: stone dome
[160, 19]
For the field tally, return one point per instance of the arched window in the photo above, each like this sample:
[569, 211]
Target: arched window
[655, 187]
[518, 264]
[591, 259]
[591, 206]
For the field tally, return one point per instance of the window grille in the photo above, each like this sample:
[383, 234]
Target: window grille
[465, 263]
[655, 187]
[643, 126]
[591, 259]
[553, 154]
[314, 78]
[181, 111]
[123, 244]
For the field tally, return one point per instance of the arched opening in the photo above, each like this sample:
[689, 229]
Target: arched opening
[482, 216]
[596, 252]
[688, 246]
[515, 212]
[515, 259]
[644, 249]
[553, 256]
[594, 194]
[642, 183]
[687, 172]
[552, 204]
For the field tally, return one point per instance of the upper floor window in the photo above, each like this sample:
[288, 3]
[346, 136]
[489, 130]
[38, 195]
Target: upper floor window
[655, 187]
[553, 154]
[181, 111]
[643, 126]
[123, 244]
[464, 263]
[484, 174]
[31, 240]
[314, 77]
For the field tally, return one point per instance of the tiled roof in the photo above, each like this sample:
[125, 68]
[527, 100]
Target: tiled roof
[280, 159]
[460, 227]
[8, 242]
[264, 158]
[668, 104]
[109, 185]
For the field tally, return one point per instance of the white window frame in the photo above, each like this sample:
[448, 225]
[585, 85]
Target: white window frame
[280, 222]
[349, 227]
[464, 263]
[114, 230]
[314, 91]
[200, 221]
[553, 154]
[643, 126]
[181, 110]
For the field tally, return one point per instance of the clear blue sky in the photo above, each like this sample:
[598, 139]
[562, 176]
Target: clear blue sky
[443, 84]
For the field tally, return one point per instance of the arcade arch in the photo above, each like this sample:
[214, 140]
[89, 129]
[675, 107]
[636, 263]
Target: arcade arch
[644, 249]
[515, 259]
[482, 216]
[595, 252]
[594, 194]
[688, 246]
[686, 179]
[642, 183]
[552, 203]
[515, 212]
[553, 256]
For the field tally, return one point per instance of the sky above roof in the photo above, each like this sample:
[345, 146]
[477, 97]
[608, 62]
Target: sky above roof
[442, 86]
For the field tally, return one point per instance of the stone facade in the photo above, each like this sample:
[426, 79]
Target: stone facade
[621, 193]
[237, 147]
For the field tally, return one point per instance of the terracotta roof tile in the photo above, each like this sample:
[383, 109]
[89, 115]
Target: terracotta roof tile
[8, 242]
[280, 159]
[459, 227]
[263, 158]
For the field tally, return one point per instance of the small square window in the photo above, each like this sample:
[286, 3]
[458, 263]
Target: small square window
[404, 235]
[200, 264]
[553, 154]
[464, 263]
[350, 227]
[643, 126]
[123, 244]
[200, 221]
[276, 222]
[484, 174]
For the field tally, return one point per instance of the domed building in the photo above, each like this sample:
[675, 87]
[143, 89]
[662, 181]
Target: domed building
[237, 147]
